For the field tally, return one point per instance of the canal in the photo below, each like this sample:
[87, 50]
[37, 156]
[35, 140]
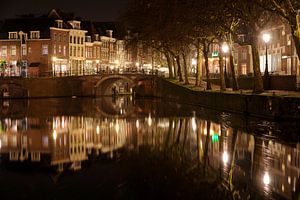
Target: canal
[125, 148]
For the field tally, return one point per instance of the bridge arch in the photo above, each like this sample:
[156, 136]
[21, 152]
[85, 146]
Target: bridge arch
[114, 83]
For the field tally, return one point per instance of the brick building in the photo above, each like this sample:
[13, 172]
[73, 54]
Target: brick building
[57, 44]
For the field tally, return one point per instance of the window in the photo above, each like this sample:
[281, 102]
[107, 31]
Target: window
[34, 34]
[96, 37]
[71, 51]
[24, 52]
[74, 39]
[54, 49]
[78, 40]
[244, 55]
[65, 50]
[82, 40]
[13, 50]
[29, 50]
[244, 69]
[54, 36]
[59, 23]
[71, 39]
[289, 40]
[12, 35]
[44, 49]
[59, 49]
[4, 50]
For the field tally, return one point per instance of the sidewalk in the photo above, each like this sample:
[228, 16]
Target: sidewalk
[216, 88]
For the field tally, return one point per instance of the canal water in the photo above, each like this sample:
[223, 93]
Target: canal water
[124, 148]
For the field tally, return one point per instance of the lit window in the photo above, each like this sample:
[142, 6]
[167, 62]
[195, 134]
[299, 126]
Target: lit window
[244, 69]
[59, 49]
[24, 52]
[34, 34]
[45, 49]
[54, 49]
[13, 35]
[65, 50]
[4, 51]
[13, 50]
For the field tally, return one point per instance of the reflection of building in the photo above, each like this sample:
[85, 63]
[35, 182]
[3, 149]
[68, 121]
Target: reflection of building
[65, 142]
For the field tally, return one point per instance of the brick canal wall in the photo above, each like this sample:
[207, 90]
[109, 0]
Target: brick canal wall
[80, 86]
[277, 82]
[248, 104]
[47, 87]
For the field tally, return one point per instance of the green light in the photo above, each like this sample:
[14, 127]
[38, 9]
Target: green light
[215, 54]
[215, 138]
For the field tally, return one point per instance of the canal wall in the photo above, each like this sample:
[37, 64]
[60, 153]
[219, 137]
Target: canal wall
[45, 87]
[256, 105]
[80, 86]
[277, 82]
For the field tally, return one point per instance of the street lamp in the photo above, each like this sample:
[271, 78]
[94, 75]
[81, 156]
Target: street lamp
[225, 49]
[266, 38]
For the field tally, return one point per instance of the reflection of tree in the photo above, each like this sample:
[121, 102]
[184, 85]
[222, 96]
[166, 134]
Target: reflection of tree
[205, 160]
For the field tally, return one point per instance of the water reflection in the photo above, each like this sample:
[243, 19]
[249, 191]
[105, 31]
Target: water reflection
[243, 160]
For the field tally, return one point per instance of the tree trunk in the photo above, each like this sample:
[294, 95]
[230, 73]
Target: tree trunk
[186, 76]
[199, 67]
[235, 85]
[179, 68]
[295, 27]
[208, 84]
[169, 64]
[258, 81]
[296, 39]
[222, 78]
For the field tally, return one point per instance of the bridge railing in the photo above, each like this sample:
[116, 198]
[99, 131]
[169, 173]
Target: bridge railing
[83, 73]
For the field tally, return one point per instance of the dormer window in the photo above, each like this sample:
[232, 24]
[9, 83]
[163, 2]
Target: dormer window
[75, 24]
[35, 34]
[97, 37]
[59, 23]
[12, 35]
[88, 38]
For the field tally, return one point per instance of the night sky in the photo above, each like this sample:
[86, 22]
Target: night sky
[100, 10]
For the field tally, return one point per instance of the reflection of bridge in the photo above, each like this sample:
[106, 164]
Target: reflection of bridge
[93, 85]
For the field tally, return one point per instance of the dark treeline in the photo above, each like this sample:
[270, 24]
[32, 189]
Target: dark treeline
[176, 27]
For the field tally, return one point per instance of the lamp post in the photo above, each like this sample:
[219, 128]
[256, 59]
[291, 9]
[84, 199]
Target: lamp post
[225, 49]
[266, 38]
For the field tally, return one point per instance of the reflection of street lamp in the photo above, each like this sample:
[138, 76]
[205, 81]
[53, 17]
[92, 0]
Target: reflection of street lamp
[225, 49]
[54, 134]
[54, 59]
[225, 157]
[266, 178]
[266, 38]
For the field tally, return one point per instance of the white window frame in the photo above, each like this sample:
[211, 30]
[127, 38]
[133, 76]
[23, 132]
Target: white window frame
[45, 49]
[34, 34]
[13, 50]
[12, 35]
[4, 51]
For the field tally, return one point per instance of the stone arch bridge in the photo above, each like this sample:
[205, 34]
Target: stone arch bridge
[80, 86]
